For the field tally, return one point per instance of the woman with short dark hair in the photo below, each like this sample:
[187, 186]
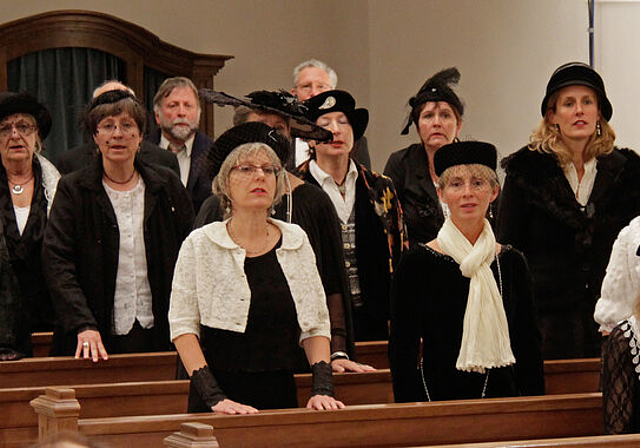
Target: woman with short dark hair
[112, 241]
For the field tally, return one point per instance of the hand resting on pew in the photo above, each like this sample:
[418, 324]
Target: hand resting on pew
[346, 365]
[90, 346]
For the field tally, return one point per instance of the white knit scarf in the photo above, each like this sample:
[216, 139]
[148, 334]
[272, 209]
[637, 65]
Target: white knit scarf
[485, 334]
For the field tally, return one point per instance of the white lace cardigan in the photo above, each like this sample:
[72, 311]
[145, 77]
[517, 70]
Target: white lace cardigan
[621, 284]
[210, 286]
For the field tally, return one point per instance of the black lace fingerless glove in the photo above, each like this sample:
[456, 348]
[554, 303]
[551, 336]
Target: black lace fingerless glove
[322, 379]
[207, 386]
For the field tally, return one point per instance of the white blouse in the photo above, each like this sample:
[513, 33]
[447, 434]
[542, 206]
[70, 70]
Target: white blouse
[133, 293]
[621, 284]
[343, 205]
[22, 215]
[582, 188]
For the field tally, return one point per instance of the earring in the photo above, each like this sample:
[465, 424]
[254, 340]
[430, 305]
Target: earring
[490, 211]
[557, 127]
[456, 140]
[598, 129]
[272, 212]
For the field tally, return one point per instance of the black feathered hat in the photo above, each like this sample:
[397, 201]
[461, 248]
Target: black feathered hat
[436, 88]
[23, 103]
[338, 101]
[281, 103]
[465, 153]
[578, 74]
[251, 132]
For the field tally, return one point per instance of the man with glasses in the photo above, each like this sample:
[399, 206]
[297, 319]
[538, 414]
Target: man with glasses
[310, 78]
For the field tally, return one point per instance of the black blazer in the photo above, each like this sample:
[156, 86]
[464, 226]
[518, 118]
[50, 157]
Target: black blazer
[199, 183]
[81, 156]
[81, 247]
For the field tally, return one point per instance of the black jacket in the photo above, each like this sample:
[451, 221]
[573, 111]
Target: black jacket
[409, 171]
[81, 245]
[567, 245]
[199, 182]
[82, 156]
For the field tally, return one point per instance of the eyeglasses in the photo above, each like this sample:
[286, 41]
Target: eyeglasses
[23, 129]
[126, 128]
[251, 170]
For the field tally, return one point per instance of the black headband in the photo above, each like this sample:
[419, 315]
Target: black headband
[110, 97]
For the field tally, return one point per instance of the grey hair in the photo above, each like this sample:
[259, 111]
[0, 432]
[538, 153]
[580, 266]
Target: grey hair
[220, 185]
[333, 76]
[114, 81]
[167, 87]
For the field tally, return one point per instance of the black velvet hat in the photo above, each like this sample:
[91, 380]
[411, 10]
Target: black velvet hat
[280, 103]
[465, 153]
[578, 74]
[23, 103]
[251, 132]
[338, 101]
[436, 88]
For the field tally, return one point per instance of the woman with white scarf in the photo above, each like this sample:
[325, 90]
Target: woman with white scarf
[462, 321]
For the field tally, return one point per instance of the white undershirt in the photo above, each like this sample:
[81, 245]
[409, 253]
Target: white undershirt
[344, 205]
[302, 152]
[132, 298]
[184, 157]
[22, 215]
[582, 188]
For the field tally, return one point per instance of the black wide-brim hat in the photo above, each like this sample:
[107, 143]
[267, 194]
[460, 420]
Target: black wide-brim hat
[23, 103]
[465, 153]
[578, 74]
[280, 103]
[338, 101]
[251, 132]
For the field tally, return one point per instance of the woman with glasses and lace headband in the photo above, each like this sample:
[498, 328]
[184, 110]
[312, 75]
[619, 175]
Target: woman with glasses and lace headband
[113, 237]
[27, 186]
[462, 322]
[246, 292]
[566, 196]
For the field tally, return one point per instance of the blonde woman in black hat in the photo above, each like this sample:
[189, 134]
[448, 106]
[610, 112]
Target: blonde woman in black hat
[373, 233]
[436, 113]
[462, 323]
[28, 184]
[567, 195]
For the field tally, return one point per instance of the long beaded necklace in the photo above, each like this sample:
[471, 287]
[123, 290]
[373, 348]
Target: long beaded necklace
[249, 252]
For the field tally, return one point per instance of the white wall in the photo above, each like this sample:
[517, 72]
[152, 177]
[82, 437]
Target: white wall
[384, 50]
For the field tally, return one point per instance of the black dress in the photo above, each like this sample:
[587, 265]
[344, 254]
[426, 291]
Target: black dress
[313, 211]
[620, 381]
[428, 303]
[256, 367]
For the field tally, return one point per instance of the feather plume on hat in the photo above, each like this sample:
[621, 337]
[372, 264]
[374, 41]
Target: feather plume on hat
[436, 88]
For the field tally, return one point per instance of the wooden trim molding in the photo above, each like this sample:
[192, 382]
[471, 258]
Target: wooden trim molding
[136, 46]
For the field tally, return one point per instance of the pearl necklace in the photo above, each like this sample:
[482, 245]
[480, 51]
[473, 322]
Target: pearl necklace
[249, 252]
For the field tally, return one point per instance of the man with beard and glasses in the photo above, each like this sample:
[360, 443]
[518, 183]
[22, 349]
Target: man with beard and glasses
[177, 111]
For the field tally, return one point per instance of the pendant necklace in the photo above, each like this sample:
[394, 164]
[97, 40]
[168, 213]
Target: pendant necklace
[18, 188]
[249, 252]
[117, 181]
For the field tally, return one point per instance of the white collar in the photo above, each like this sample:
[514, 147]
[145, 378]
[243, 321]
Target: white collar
[164, 143]
[321, 176]
[292, 235]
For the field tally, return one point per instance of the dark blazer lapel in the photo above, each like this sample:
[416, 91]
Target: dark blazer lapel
[609, 168]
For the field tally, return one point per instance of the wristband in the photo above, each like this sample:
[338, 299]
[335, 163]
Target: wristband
[207, 386]
[339, 355]
[322, 374]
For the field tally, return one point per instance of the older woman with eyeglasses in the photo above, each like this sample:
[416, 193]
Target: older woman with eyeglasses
[247, 291]
[27, 185]
[113, 238]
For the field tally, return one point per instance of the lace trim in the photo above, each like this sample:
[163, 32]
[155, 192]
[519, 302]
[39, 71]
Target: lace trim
[630, 329]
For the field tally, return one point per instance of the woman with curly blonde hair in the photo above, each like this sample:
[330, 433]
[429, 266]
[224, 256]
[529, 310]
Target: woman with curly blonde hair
[566, 196]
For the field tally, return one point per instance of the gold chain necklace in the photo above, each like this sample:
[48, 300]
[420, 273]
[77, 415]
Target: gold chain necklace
[249, 252]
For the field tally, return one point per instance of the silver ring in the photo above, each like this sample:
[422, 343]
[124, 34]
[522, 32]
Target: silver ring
[85, 345]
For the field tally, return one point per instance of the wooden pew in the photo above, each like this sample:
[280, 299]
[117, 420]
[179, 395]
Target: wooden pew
[67, 370]
[617, 441]
[407, 424]
[18, 422]
[568, 376]
[373, 353]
